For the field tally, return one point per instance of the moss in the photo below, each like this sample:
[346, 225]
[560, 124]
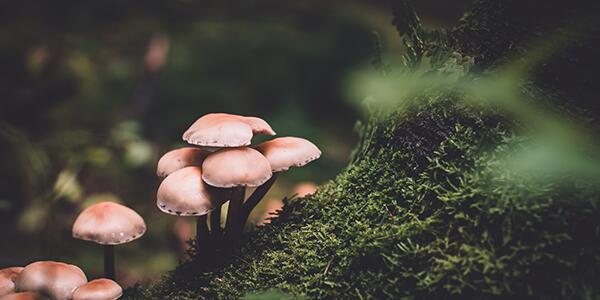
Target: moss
[421, 213]
[425, 210]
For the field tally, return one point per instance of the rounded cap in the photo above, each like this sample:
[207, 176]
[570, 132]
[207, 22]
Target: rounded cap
[98, 289]
[24, 296]
[108, 223]
[180, 158]
[183, 193]
[7, 280]
[225, 130]
[56, 280]
[231, 167]
[286, 152]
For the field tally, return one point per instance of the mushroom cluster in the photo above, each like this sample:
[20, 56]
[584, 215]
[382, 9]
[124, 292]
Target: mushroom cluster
[198, 181]
[219, 167]
[55, 281]
[105, 223]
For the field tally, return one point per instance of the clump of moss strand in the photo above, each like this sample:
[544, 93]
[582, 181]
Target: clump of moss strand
[427, 209]
[422, 212]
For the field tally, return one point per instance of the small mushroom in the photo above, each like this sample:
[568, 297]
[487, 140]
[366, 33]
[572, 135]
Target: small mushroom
[282, 154]
[7, 280]
[285, 152]
[109, 224]
[98, 289]
[183, 193]
[56, 280]
[180, 158]
[236, 168]
[225, 130]
[24, 296]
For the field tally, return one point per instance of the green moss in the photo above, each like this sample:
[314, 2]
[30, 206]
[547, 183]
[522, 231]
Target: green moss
[425, 210]
[422, 212]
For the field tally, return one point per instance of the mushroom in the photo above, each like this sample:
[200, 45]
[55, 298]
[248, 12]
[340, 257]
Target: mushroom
[225, 130]
[109, 224]
[233, 167]
[180, 158]
[98, 289]
[185, 157]
[7, 280]
[183, 193]
[236, 168]
[24, 296]
[286, 152]
[281, 153]
[56, 280]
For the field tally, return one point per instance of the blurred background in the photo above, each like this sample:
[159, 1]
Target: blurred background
[92, 94]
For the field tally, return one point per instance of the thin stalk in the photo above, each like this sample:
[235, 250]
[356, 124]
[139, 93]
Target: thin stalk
[255, 198]
[232, 228]
[109, 261]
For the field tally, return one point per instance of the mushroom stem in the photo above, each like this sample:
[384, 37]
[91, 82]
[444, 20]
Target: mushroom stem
[202, 233]
[215, 223]
[255, 198]
[234, 213]
[109, 261]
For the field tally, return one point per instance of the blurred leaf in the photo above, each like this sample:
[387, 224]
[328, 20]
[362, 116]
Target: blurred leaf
[557, 145]
[126, 131]
[138, 153]
[33, 218]
[98, 156]
[67, 186]
[81, 65]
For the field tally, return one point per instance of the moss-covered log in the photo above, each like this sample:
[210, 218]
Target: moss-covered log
[421, 212]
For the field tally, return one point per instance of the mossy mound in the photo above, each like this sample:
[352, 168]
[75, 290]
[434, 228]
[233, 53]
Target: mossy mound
[425, 210]
[422, 213]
